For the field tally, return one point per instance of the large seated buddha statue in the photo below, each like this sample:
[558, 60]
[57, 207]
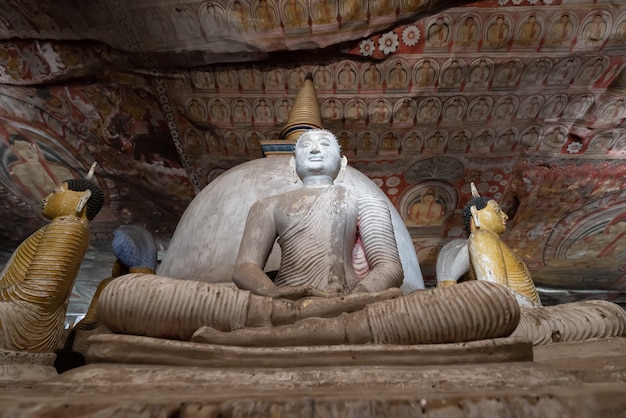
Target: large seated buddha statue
[487, 258]
[320, 295]
[205, 244]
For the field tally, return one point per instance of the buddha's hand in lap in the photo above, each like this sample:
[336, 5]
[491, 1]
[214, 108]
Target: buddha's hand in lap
[391, 292]
[359, 288]
[299, 292]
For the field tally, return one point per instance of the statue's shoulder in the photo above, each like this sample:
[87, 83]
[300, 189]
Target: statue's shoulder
[484, 236]
[271, 202]
[265, 202]
[482, 242]
[365, 196]
[66, 222]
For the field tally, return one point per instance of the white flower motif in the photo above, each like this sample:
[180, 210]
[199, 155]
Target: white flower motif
[548, 2]
[366, 47]
[502, 2]
[393, 181]
[534, 1]
[388, 42]
[574, 147]
[518, 2]
[410, 35]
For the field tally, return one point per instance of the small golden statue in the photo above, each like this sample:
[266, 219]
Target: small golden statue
[36, 282]
[491, 259]
[487, 258]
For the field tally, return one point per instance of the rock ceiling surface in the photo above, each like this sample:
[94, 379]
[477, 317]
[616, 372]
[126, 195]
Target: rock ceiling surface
[525, 98]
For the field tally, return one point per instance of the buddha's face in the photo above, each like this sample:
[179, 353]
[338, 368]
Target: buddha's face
[492, 218]
[62, 201]
[317, 153]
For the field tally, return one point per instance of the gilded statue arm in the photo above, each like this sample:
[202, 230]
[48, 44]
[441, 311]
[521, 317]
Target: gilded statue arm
[487, 258]
[17, 266]
[379, 243]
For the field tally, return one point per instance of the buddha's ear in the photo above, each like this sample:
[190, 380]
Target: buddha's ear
[83, 201]
[292, 165]
[342, 170]
[475, 216]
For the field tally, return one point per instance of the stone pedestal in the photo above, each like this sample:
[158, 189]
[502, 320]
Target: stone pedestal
[128, 349]
[210, 381]
[21, 368]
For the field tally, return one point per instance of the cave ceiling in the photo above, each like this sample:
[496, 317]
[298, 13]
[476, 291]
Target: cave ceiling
[525, 98]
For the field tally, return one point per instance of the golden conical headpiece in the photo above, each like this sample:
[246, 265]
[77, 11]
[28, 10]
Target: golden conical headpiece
[304, 115]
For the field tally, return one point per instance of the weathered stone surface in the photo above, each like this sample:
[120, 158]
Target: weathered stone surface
[113, 348]
[515, 389]
[594, 361]
[510, 389]
[20, 368]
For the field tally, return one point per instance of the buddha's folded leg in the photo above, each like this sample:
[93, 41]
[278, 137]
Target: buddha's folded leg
[157, 306]
[467, 312]
[576, 321]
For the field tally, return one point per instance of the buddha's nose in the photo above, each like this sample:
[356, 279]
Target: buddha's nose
[315, 148]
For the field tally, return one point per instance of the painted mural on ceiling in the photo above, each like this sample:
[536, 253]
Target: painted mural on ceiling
[524, 98]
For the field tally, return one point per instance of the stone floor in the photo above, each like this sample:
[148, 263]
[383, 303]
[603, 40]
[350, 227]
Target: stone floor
[564, 380]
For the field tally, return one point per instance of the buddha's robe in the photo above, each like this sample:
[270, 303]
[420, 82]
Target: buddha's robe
[339, 243]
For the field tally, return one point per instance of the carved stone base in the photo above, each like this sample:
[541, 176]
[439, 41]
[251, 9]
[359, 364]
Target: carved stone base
[21, 368]
[392, 388]
[115, 348]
